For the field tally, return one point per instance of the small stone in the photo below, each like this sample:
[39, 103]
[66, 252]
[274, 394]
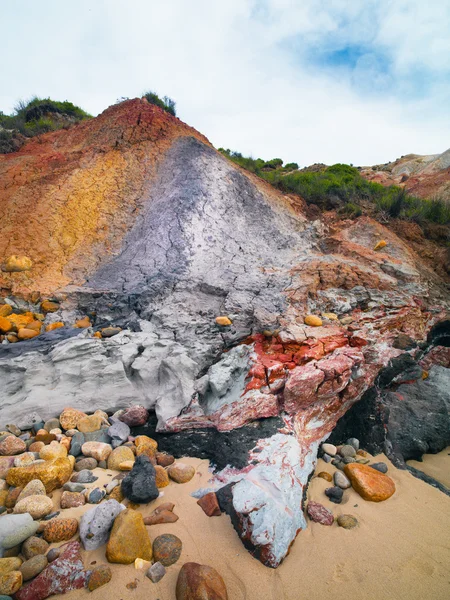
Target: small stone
[126, 465]
[14, 429]
[363, 461]
[73, 487]
[348, 459]
[162, 478]
[70, 417]
[362, 453]
[34, 546]
[5, 310]
[139, 485]
[9, 564]
[379, 245]
[329, 449]
[51, 424]
[52, 451]
[51, 516]
[347, 451]
[380, 466]
[16, 264]
[96, 450]
[347, 521]
[117, 494]
[14, 529]
[53, 326]
[180, 472]
[319, 514]
[60, 530]
[34, 488]
[129, 539]
[96, 495]
[27, 458]
[341, 480]
[354, 442]
[164, 460]
[72, 499]
[338, 463]
[84, 476]
[209, 504]
[325, 475]
[313, 321]
[108, 332]
[99, 576]
[167, 549]
[335, 494]
[12, 445]
[36, 446]
[48, 306]
[53, 554]
[10, 583]
[404, 342]
[223, 321]
[77, 440]
[102, 464]
[83, 323]
[86, 464]
[37, 506]
[330, 316]
[370, 483]
[156, 572]
[164, 516]
[27, 334]
[33, 567]
[118, 433]
[200, 582]
[120, 455]
[90, 423]
[134, 416]
[327, 458]
[96, 524]
[45, 437]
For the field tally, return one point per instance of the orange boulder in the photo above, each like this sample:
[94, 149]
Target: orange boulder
[370, 483]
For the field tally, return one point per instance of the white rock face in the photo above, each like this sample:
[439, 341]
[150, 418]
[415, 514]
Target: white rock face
[269, 497]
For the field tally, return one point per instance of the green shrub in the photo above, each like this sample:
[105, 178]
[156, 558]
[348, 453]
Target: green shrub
[291, 166]
[165, 103]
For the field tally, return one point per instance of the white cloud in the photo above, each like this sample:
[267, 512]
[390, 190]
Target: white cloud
[241, 71]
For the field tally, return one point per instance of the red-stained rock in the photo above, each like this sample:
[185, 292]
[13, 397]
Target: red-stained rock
[319, 514]
[200, 582]
[209, 505]
[301, 387]
[64, 574]
[134, 416]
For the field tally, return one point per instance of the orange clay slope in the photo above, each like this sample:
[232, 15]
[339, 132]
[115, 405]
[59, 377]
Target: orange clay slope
[68, 198]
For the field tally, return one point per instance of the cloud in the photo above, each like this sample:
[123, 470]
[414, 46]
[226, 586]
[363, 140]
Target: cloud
[359, 81]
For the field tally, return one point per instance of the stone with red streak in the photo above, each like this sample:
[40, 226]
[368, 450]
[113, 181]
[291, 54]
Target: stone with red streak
[64, 574]
[208, 503]
[319, 514]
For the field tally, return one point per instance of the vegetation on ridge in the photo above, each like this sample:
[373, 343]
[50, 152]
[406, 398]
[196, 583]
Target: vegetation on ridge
[36, 116]
[165, 103]
[342, 187]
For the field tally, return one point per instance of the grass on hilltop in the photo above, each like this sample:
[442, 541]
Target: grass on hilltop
[342, 187]
[165, 103]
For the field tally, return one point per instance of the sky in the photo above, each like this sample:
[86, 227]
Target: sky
[353, 81]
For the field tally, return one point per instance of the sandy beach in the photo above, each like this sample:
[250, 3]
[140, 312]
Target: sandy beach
[400, 549]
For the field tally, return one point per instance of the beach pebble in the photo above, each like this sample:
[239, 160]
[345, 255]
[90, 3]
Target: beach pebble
[336, 462]
[9, 564]
[118, 456]
[14, 429]
[99, 576]
[72, 499]
[319, 514]
[167, 549]
[325, 475]
[140, 484]
[180, 472]
[27, 458]
[354, 442]
[32, 567]
[96, 524]
[37, 506]
[348, 459]
[53, 554]
[164, 460]
[334, 494]
[73, 487]
[128, 539]
[347, 521]
[118, 432]
[329, 449]
[14, 529]
[76, 442]
[60, 530]
[51, 424]
[12, 445]
[209, 504]
[199, 581]
[34, 488]
[369, 483]
[86, 463]
[10, 583]
[70, 417]
[97, 450]
[347, 451]
[156, 572]
[34, 546]
[134, 416]
[341, 480]
[84, 476]
[380, 466]
[95, 496]
[327, 458]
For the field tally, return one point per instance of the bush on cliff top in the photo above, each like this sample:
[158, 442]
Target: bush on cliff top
[343, 188]
[36, 116]
[165, 103]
